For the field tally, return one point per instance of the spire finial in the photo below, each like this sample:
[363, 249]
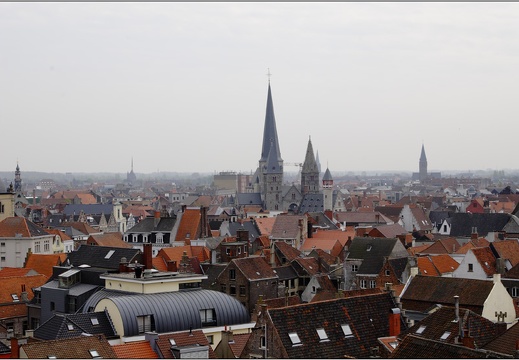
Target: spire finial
[269, 74]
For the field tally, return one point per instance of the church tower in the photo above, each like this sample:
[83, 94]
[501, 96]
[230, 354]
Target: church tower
[17, 180]
[270, 170]
[423, 165]
[327, 190]
[309, 172]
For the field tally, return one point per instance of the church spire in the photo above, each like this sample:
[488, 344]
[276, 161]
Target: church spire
[270, 134]
[309, 172]
[423, 165]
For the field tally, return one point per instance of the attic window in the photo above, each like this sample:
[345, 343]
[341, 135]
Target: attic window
[70, 327]
[51, 357]
[420, 329]
[172, 342]
[369, 248]
[15, 297]
[295, 339]
[393, 344]
[109, 255]
[347, 330]
[94, 354]
[322, 335]
[94, 321]
[445, 335]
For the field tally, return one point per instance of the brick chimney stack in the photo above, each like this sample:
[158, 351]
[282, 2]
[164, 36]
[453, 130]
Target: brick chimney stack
[147, 256]
[394, 322]
[15, 348]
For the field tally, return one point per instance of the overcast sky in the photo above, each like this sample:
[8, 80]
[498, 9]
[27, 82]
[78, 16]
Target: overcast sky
[183, 86]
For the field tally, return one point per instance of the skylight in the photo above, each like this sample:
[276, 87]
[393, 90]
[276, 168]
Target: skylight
[94, 354]
[445, 335]
[420, 329]
[70, 326]
[294, 338]
[94, 321]
[15, 297]
[346, 330]
[109, 255]
[172, 342]
[322, 335]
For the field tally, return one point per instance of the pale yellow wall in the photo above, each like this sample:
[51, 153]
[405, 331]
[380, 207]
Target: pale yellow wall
[500, 301]
[8, 201]
[113, 311]
[145, 287]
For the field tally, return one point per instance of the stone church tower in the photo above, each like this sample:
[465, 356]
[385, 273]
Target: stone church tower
[270, 171]
[327, 191]
[309, 172]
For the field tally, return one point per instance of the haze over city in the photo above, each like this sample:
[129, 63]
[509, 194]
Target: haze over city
[182, 87]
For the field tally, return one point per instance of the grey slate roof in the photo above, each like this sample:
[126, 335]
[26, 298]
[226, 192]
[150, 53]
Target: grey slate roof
[95, 256]
[180, 310]
[88, 209]
[147, 225]
[76, 290]
[248, 199]
[372, 251]
[57, 327]
[247, 225]
[311, 203]
[322, 220]
[327, 175]
[462, 223]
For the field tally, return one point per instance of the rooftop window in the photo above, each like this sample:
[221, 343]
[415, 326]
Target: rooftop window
[445, 335]
[94, 321]
[172, 342]
[346, 330]
[109, 255]
[94, 354]
[322, 335]
[420, 329]
[295, 339]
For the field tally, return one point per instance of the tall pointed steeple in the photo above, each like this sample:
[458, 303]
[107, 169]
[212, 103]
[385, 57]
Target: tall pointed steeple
[423, 165]
[270, 133]
[317, 161]
[309, 172]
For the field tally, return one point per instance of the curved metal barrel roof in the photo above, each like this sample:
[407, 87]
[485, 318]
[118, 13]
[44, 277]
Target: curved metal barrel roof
[177, 311]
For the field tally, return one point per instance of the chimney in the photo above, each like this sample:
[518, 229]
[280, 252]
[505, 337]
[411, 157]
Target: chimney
[457, 308]
[394, 322]
[152, 337]
[123, 265]
[500, 266]
[474, 235]
[156, 218]
[15, 349]
[172, 266]
[204, 224]
[147, 258]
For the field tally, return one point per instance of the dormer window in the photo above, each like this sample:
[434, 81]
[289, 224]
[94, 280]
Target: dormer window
[295, 339]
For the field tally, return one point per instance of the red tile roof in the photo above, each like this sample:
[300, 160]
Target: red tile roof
[486, 259]
[43, 263]
[13, 310]
[265, 225]
[183, 338]
[426, 267]
[15, 284]
[240, 340]
[135, 350]
[14, 225]
[189, 225]
[444, 263]
[508, 249]
[114, 239]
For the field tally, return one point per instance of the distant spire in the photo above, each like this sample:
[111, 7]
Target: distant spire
[310, 165]
[270, 134]
[422, 155]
